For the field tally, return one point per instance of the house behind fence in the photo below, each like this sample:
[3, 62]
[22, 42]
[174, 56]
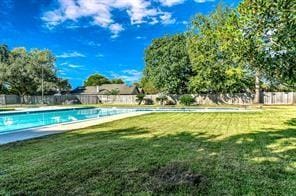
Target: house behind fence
[107, 89]
[268, 98]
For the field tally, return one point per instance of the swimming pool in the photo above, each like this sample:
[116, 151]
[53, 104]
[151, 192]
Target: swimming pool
[19, 120]
[14, 121]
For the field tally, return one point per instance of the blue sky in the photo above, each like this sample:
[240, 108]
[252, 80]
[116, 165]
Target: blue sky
[96, 36]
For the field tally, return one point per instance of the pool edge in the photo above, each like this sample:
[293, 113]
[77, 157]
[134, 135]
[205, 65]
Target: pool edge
[37, 132]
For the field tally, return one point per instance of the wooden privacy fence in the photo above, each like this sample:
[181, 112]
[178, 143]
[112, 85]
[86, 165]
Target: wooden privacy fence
[269, 98]
[199, 99]
[123, 99]
[9, 99]
[208, 99]
[50, 99]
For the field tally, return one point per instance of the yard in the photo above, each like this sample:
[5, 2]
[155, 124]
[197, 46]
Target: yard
[197, 153]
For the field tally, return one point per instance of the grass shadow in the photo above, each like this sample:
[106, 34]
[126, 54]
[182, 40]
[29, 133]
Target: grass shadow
[291, 122]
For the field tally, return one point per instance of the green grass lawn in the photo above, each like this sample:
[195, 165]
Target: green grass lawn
[180, 153]
[6, 109]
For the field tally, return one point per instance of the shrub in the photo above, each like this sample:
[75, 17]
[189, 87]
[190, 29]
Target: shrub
[148, 101]
[187, 100]
[170, 102]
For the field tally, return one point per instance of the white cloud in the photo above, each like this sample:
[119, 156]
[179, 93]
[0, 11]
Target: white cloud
[115, 29]
[132, 72]
[74, 66]
[100, 13]
[67, 65]
[70, 55]
[129, 75]
[170, 3]
[62, 72]
[141, 37]
[154, 21]
[166, 18]
[203, 1]
[92, 43]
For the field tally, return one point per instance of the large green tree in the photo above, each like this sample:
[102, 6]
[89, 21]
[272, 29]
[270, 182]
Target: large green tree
[19, 73]
[167, 65]
[42, 62]
[269, 39]
[28, 72]
[214, 50]
[96, 80]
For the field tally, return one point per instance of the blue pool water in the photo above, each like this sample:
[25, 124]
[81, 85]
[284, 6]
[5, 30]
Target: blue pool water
[22, 120]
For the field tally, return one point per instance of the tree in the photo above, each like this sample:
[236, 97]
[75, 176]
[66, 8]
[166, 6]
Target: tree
[148, 86]
[24, 72]
[42, 62]
[117, 81]
[20, 73]
[4, 56]
[4, 53]
[96, 80]
[63, 85]
[214, 50]
[269, 40]
[167, 65]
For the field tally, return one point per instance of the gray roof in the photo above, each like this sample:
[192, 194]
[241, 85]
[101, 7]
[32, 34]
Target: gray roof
[107, 88]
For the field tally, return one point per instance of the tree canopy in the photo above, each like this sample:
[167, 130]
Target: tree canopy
[117, 81]
[214, 50]
[21, 71]
[4, 56]
[230, 50]
[269, 38]
[98, 79]
[148, 86]
[167, 64]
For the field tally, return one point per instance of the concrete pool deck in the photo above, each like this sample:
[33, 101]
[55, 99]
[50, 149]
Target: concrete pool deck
[60, 128]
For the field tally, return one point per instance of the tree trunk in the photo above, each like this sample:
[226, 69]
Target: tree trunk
[257, 88]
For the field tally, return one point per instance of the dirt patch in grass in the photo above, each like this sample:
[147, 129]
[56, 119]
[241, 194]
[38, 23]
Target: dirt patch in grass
[175, 176]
